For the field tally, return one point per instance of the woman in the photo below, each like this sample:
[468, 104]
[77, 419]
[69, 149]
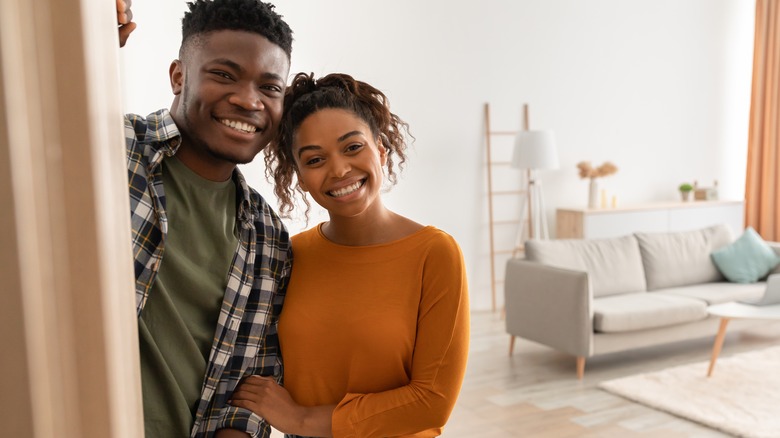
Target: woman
[374, 330]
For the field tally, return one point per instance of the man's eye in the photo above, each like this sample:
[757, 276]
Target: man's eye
[272, 88]
[222, 74]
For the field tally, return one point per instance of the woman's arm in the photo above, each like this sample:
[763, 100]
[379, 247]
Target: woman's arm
[438, 364]
[438, 367]
[266, 398]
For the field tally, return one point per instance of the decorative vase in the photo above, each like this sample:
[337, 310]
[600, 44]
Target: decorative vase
[593, 195]
[685, 195]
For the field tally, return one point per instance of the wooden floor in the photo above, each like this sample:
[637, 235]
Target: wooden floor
[535, 393]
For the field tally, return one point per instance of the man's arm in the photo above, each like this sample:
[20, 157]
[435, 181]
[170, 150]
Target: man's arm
[124, 18]
[230, 433]
[270, 344]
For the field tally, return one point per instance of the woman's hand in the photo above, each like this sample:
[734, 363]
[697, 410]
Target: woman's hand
[264, 397]
[124, 19]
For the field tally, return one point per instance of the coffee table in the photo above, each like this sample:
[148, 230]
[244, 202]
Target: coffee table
[735, 310]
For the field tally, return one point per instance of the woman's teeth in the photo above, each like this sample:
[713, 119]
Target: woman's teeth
[346, 190]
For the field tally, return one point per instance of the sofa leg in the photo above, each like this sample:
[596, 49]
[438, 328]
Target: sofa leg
[580, 367]
[511, 345]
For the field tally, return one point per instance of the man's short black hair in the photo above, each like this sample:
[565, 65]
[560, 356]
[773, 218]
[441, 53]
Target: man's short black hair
[246, 15]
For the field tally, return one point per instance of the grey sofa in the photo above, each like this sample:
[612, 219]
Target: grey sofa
[590, 297]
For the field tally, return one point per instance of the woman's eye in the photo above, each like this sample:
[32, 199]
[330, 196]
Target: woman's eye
[312, 161]
[354, 147]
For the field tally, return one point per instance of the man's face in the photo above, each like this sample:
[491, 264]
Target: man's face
[229, 88]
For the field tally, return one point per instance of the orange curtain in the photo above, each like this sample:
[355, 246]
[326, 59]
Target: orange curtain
[762, 188]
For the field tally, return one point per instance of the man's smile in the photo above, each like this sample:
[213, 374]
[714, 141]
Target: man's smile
[239, 126]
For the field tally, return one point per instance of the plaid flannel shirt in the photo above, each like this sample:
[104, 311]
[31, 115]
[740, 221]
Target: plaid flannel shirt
[246, 340]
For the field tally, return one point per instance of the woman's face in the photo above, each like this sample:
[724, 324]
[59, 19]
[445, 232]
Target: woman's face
[339, 162]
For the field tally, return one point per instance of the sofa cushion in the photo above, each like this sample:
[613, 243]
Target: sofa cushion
[682, 258]
[716, 293]
[638, 311]
[614, 265]
[747, 259]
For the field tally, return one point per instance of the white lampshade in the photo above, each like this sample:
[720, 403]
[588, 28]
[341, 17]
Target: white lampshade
[535, 150]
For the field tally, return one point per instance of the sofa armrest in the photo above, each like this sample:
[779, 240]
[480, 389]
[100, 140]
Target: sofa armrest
[549, 305]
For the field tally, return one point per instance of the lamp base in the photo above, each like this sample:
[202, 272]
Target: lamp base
[533, 209]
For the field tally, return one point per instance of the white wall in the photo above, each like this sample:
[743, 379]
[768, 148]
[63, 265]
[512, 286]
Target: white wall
[659, 87]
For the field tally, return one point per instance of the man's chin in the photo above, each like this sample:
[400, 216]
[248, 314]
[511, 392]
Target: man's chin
[236, 158]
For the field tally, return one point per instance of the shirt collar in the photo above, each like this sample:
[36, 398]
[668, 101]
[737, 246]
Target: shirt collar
[247, 210]
[162, 136]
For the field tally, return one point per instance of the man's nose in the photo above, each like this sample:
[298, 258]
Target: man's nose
[248, 97]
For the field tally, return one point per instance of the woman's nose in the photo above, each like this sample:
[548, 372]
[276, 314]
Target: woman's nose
[340, 167]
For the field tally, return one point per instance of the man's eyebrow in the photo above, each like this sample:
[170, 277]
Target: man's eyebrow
[236, 66]
[232, 64]
[273, 77]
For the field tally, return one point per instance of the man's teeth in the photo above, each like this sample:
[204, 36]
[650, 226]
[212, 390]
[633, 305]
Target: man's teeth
[239, 126]
[346, 190]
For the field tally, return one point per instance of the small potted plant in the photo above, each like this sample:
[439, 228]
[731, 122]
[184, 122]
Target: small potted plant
[685, 190]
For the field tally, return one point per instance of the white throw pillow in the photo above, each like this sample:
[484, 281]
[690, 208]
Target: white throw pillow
[614, 265]
[682, 258]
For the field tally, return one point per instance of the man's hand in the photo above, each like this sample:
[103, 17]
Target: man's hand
[124, 18]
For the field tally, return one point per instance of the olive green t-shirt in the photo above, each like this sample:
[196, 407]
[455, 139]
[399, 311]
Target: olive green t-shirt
[178, 322]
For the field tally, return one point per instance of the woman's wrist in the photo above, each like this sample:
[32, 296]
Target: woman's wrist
[316, 420]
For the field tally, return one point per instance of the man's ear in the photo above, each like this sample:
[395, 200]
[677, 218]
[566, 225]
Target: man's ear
[176, 74]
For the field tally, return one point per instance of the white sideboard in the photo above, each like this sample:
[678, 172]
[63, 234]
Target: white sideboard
[648, 218]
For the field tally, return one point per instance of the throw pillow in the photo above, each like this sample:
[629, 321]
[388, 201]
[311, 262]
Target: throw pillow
[747, 259]
[682, 258]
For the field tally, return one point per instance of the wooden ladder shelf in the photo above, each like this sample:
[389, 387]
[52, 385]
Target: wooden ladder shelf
[520, 222]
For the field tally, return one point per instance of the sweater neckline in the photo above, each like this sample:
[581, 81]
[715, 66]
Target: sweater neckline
[424, 230]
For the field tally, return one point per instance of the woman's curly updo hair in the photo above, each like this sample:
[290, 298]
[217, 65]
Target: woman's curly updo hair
[307, 95]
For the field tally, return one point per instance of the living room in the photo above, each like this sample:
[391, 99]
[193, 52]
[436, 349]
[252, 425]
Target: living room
[662, 89]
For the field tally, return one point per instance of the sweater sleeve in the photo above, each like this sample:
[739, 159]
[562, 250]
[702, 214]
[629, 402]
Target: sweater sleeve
[438, 365]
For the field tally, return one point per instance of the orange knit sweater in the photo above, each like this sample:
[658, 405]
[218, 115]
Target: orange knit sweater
[382, 331]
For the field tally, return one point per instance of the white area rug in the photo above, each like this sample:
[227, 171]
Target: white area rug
[742, 397]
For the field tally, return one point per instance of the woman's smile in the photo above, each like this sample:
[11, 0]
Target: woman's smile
[352, 188]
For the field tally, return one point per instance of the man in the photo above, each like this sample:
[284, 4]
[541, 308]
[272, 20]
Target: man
[212, 259]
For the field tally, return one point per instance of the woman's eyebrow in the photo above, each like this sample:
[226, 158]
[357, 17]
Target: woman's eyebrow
[303, 149]
[349, 134]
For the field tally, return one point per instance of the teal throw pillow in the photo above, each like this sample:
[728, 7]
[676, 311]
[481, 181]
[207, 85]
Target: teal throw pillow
[747, 259]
